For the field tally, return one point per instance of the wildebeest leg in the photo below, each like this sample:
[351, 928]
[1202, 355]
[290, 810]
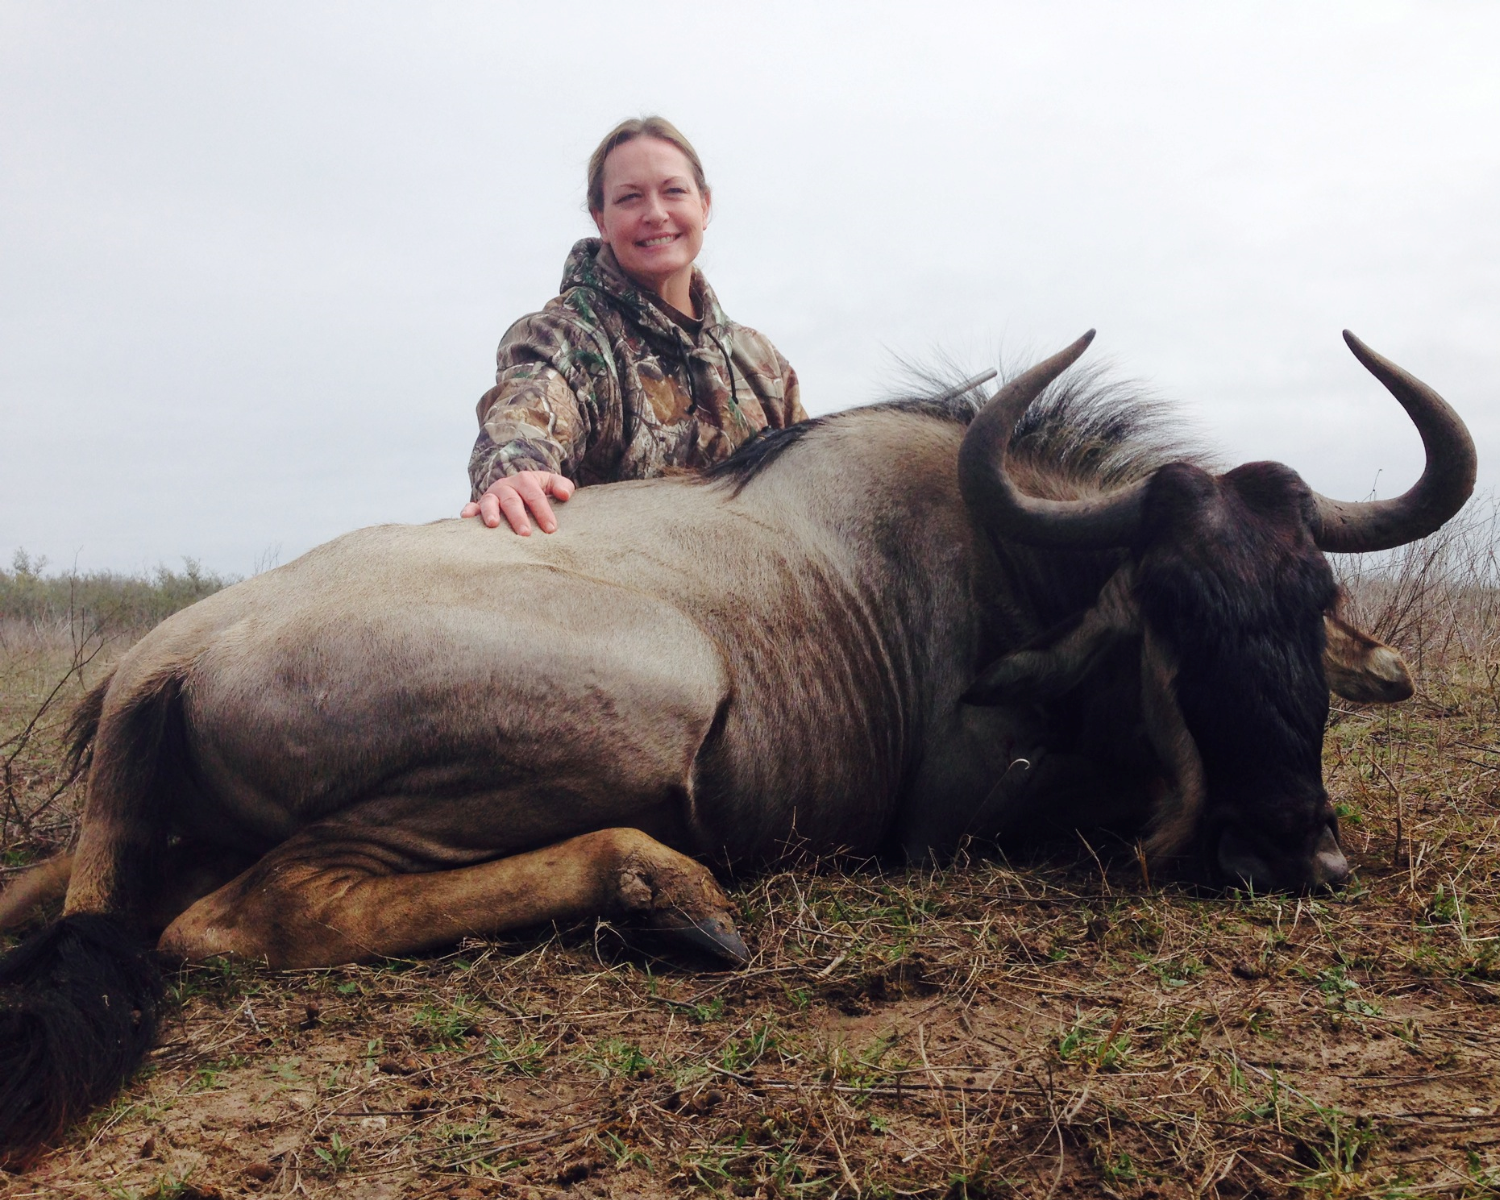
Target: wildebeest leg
[35, 891]
[1049, 670]
[190, 871]
[1054, 794]
[306, 905]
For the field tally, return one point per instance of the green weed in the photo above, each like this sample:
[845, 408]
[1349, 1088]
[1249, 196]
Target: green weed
[616, 1056]
[445, 1025]
[1339, 991]
[524, 1056]
[622, 1154]
[1344, 1144]
[1118, 1168]
[739, 1054]
[164, 1187]
[207, 1074]
[335, 1156]
[1093, 1040]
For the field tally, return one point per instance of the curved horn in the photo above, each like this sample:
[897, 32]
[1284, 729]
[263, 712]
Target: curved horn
[1446, 482]
[1094, 524]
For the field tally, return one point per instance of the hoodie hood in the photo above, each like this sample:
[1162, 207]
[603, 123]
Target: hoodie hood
[592, 265]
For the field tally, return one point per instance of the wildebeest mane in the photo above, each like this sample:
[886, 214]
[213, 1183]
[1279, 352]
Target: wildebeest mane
[1099, 433]
[757, 454]
[1085, 431]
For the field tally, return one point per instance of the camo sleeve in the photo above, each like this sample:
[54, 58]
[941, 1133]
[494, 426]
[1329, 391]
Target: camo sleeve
[544, 410]
[791, 406]
[773, 378]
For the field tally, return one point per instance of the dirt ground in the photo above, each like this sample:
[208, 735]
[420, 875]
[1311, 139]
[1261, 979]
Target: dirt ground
[1055, 1027]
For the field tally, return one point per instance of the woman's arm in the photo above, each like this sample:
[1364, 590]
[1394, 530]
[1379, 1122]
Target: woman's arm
[535, 424]
[791, 405]
[771, 377]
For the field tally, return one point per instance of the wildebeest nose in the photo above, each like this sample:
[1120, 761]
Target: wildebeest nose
[1330, 869]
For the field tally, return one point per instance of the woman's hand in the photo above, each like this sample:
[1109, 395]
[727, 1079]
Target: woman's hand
[514, 494]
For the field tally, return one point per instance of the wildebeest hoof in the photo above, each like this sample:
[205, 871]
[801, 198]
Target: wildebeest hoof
[715, 934]
[677, 896]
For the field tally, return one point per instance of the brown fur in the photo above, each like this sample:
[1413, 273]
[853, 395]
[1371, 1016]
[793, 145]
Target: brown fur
[35, 892]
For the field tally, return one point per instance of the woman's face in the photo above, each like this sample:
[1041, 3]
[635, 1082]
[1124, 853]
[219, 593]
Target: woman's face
[653, 214]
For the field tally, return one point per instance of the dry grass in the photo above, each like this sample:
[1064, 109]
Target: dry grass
[1055, 1027]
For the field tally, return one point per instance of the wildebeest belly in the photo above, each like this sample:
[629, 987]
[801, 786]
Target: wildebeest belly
[444, 730]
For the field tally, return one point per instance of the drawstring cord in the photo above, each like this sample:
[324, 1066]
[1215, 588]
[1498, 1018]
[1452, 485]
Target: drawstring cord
[734, 389]
[685, 357]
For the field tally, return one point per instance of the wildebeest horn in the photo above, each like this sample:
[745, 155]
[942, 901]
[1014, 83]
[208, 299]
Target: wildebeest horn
[1092, 524]
[1446, 482]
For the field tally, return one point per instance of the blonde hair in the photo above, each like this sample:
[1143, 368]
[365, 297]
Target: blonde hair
[628, 131]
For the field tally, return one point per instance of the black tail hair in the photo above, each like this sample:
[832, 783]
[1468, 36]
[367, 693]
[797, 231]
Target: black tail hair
[78, 1004]
[83, 725]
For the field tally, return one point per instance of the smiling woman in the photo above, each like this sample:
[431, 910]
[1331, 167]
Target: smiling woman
[633, 369]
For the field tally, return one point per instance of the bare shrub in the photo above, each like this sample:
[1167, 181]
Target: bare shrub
[41, 608]
[58, 633]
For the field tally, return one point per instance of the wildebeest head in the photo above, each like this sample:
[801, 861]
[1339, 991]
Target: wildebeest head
[1228, 592]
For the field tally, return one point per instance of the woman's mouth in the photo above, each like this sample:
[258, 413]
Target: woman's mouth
[661, 240]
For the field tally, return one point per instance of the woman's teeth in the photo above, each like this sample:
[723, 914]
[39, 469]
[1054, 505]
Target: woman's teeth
[660, 241]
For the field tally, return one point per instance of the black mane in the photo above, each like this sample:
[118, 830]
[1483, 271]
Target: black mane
[756, 455]
[1084, 427]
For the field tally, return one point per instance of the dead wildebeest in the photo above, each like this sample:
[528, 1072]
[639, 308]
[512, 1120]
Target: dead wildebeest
[882, 631]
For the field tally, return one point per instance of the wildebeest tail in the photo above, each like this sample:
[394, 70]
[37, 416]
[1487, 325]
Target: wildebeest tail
[78, 1000]
[77, 1011]
[83, 726]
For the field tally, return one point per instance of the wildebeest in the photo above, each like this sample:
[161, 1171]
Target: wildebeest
[882, 631]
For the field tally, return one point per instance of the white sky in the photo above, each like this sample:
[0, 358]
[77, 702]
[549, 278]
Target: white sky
[255, 258]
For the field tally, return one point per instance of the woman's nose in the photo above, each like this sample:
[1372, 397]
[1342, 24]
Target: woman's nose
[655, 210]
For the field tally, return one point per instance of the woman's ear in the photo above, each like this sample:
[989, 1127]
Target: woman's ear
[708, 208]
[598, 220]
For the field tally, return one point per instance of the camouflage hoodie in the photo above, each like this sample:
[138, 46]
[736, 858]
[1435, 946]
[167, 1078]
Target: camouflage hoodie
[607, 383]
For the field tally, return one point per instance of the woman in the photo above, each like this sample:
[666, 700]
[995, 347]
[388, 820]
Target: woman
[633, 369]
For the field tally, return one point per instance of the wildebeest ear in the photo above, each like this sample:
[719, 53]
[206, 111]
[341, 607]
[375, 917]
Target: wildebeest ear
[1358, 667]
[1037, 672]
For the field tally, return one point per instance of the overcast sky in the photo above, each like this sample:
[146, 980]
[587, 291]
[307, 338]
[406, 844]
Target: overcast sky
[255, 258]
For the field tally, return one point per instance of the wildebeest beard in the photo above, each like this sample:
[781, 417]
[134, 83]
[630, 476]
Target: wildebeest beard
[1230, 580]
